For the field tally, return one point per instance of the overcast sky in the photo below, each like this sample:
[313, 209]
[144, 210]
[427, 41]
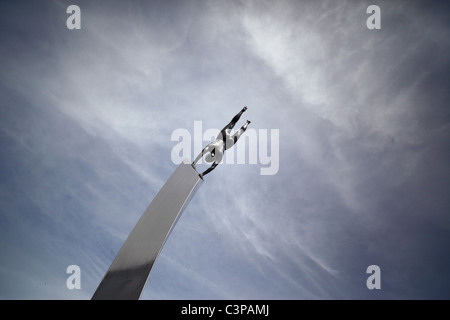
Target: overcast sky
[86, 118]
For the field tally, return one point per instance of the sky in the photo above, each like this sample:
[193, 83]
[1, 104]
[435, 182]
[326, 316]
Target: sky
[364, 134]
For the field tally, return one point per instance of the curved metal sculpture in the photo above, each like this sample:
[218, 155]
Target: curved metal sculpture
[128, 273]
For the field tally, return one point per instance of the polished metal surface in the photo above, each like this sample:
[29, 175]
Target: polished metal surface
[128, 273]
[213, 152]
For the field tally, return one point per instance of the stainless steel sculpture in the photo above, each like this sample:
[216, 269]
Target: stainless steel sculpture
[214, 151]
[128, 273]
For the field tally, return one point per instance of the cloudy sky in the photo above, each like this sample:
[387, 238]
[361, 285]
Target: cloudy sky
[86, 118]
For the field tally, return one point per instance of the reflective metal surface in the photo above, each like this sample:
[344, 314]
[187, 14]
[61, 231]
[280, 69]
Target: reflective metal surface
[213, 152]
[128, 274]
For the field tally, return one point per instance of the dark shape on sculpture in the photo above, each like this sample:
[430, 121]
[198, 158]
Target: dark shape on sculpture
[225, 140]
